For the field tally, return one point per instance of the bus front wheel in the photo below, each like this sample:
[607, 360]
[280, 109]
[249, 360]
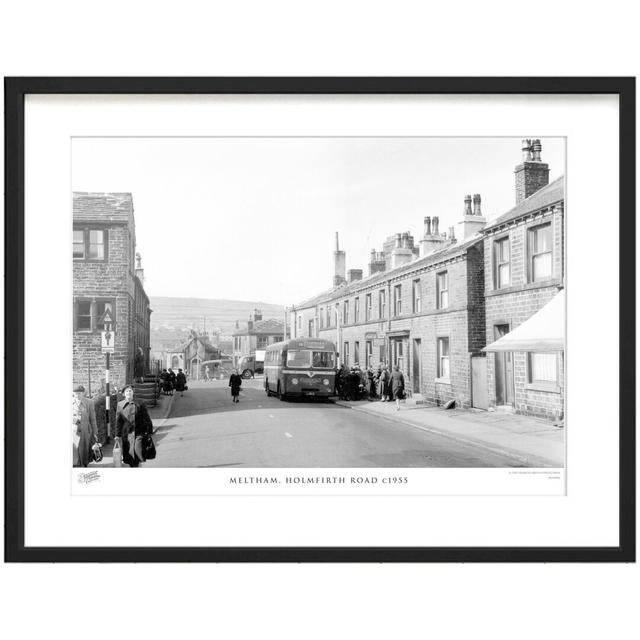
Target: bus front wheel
[279, 393]
[266, 388]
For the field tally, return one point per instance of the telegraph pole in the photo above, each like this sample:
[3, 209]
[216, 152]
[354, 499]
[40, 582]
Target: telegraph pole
[285, 324]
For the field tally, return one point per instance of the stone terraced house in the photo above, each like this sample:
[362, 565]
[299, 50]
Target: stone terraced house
[108, 282]
[524, 274]
[435, 308]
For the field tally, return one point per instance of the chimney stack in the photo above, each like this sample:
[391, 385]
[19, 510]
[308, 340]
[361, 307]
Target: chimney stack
[432, 240]
[339, 265]
[532, 174]
[377, 262]
[354, 274]
[472, 222]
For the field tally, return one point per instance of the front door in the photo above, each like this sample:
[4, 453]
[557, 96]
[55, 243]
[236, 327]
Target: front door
[416, 365]
[397, 354]
[504, 370]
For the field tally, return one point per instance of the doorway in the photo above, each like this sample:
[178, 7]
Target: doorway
[504, 370]
[397, 354]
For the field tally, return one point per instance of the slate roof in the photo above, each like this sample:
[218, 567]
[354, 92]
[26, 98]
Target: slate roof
[102, 207]
[263, 327]
[445, 253]
[551, 194]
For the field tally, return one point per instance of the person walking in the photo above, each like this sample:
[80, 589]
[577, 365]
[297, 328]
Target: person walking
[397, 386]
[85, 427]
[235, 382]
[206, 373]
[172, 380]
[181, 382]
[133, 423]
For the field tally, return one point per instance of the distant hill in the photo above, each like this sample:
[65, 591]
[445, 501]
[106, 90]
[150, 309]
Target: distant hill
[172, 318]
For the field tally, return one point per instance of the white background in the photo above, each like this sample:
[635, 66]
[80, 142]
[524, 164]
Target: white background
[330, 39]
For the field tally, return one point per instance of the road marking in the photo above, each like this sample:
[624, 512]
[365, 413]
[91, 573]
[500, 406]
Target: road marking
[270, 416]
[288, 435]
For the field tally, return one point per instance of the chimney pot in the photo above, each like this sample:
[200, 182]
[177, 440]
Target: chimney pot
[427, 226]
[467, 205]
[526, 150]
[435, 222]
[476, 205]
[537, 149]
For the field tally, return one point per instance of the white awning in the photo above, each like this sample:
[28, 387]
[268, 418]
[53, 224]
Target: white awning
[544, 331]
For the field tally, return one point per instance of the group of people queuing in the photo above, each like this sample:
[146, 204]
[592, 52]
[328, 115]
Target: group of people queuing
[380, 384]
[169, 380]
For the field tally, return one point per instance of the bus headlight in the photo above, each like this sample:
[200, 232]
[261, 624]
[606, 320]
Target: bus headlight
[325, 382]
[294, 380]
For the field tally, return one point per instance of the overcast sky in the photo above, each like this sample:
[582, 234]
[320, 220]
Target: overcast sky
[255, 218]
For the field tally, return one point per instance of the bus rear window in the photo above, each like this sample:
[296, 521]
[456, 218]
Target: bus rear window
[323, 359]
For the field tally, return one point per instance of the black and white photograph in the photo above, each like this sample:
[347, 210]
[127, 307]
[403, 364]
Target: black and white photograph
[319, 303]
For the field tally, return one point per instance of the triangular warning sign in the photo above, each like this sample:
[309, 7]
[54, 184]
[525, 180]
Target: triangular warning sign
[106, 318]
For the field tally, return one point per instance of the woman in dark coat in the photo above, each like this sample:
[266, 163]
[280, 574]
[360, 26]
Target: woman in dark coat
[235, 382]
[386, 386]
[133, 423]
[397, 386]
[181, 382]
[371, 384]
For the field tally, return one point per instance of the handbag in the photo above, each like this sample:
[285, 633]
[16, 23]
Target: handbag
[186, 388]
[117, 454]
[96, 452]
[148, 448]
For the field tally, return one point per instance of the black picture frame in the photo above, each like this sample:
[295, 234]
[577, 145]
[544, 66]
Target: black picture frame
[15, 91]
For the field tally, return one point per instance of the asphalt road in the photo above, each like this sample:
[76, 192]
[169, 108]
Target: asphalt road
[205, 429]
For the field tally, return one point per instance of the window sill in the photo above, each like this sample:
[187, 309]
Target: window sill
[443, 380]
[526, 286]
[547, 387]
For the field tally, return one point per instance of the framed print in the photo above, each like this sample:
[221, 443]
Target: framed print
[320, 319]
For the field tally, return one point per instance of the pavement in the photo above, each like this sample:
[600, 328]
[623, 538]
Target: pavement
[532, 441]
[158, 415]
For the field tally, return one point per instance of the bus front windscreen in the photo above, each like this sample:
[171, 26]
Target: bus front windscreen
[323, 359]
[306, 359]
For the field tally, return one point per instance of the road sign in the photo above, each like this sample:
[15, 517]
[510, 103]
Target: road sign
[107, 320]
[108, 340]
